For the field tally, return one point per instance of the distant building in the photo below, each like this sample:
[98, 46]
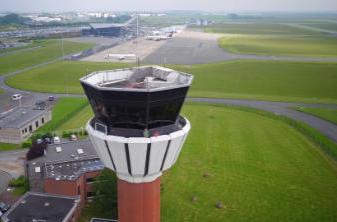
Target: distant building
[44, 207]
[18, 124]
[67, 168]
[104, 29]
[110, 29]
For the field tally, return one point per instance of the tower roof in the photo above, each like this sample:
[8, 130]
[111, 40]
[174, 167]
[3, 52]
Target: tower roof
[145, 78]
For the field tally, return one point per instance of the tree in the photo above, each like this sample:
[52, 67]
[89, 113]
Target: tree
[106, 192]
[36, 150]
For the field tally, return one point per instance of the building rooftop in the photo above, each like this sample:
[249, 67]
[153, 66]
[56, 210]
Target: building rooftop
[145, 78]
[111, 25]
[66, 161]
[73, 169]
[42, 207]
[105, 25]
[19, 117]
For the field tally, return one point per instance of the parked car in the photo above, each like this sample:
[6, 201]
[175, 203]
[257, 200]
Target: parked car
[16, 97]
[57, 139]
[3, 207]
[73, 137]
[51, 98]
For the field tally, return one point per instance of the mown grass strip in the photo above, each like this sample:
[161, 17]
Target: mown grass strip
[326, 145]
[64, 110]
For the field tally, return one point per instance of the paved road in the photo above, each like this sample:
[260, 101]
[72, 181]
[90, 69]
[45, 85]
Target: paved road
[4, 180]
[282, 108]
[192, 47]
[11, 166]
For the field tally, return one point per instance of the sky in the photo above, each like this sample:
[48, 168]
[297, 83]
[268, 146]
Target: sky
[160, 5]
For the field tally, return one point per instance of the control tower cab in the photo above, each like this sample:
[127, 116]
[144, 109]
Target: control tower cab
[137, 131]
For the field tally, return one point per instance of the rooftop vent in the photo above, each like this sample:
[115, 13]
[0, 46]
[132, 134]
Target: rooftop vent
[58, 149]
[37, 169]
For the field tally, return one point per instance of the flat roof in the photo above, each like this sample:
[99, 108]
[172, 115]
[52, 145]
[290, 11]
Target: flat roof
[144, 78]
[42, 207]
[105, 25]
[19, 117]
[66, 161]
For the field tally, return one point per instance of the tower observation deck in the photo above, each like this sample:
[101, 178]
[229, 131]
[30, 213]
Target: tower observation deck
[137, 131]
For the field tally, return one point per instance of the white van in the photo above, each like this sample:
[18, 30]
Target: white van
[57, 139]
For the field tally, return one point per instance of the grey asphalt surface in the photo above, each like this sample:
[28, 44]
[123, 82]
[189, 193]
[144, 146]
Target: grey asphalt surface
[201, 48]
[4, 180]
[11, 166]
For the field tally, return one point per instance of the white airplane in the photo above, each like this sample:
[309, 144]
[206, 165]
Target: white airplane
[121, 56]
[153, 37]
[158, 37]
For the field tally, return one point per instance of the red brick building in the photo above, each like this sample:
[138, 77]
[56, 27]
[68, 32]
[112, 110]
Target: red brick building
[68, 169]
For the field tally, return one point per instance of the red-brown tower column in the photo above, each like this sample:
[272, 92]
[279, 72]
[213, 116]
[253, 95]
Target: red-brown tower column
[139, 202]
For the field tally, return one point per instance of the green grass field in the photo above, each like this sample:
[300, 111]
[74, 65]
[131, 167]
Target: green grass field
[8, 146]
[60, 77]
[79, 120]
[323, 46]
[263, 80]
[258, 29]
[261, 169]
[327, 114]
[51, 50]
[65, 109]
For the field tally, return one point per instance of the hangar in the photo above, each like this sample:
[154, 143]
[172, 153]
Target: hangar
[111, 29]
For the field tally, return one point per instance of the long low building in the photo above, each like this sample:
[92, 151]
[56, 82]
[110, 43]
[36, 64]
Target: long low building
[18, 124]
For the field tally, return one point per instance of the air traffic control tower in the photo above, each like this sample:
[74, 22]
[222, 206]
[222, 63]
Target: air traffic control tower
[137, 131]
